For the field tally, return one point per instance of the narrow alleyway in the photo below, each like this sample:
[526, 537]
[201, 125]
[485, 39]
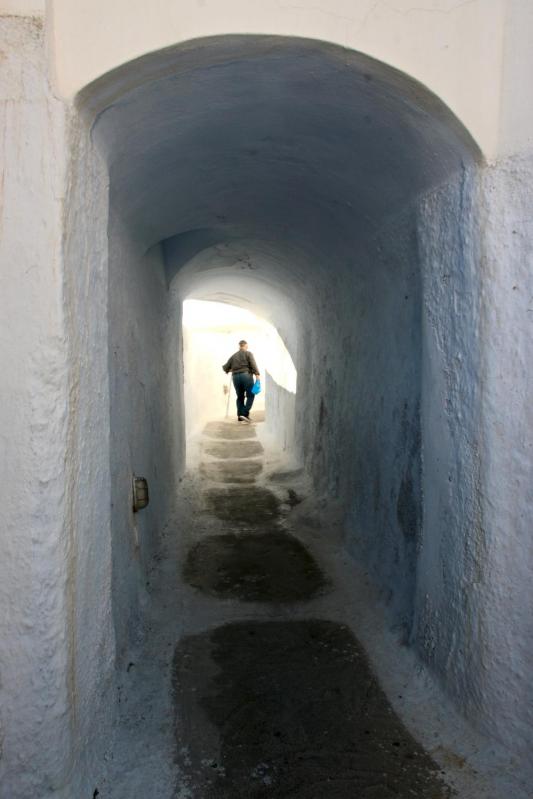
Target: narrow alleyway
[233, 178]
[253, 684]
[335, 602]
[276, 707]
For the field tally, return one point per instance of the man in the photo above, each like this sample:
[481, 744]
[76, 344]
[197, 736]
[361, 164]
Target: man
[243, 367]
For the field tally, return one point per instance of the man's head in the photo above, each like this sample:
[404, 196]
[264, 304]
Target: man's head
[243, 345]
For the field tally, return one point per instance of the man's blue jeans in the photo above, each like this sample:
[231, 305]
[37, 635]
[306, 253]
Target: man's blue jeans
[243, 383]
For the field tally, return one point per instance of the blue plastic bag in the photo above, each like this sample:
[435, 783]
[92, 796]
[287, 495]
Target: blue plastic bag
[256, 388]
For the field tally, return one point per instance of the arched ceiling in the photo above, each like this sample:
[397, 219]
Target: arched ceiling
[280, 139]
[242, 272]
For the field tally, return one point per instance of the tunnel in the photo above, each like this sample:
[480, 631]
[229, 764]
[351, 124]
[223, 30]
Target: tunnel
[333, 196]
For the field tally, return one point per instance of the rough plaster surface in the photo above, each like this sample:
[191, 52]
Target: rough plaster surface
[376, 405]
[59, 667]
[449, 621]
[474, 573]
[400, 282]
[280, 414]
[143, 408]
[507, 423]
[35, 652]
[58, 648]
[367, 260]
[89, 608]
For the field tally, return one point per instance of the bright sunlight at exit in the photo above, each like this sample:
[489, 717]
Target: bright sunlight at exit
[211, 333]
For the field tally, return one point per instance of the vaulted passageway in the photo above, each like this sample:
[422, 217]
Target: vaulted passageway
[323, 187]
[333, 196]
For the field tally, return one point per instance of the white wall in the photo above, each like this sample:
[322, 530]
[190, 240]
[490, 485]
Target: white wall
[57, 639]
[68, 496]
[375, 445]
[476, 561]
[450, 619]
[281, 416]
[342, 284]
[33, 569]
[144, 412]
[507, 455]
[88, 517]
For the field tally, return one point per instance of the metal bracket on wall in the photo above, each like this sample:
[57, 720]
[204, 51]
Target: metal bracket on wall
[140, 493]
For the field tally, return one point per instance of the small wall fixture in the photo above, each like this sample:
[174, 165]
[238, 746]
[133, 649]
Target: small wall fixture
[140, 493]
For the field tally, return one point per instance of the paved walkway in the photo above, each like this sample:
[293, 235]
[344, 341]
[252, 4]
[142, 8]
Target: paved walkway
[248, 680]
[276, 706]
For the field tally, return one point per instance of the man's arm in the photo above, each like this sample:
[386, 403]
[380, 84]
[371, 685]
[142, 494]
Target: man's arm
[253, 365]
[227, 365]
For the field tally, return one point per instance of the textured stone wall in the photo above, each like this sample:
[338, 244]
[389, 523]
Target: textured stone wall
[346, 204]
[280, 407]
[88, 519]
[143, 407]
[35, 653]
[377, 435]
[57, 652]
[507, 453]
[450, 620]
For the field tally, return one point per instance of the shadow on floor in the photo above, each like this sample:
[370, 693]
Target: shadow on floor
[278, 709]
[251, 505]
[291, 710]
[231, 471]
[265, 567]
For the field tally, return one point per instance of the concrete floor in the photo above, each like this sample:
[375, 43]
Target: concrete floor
[249, 680]
[279, 708]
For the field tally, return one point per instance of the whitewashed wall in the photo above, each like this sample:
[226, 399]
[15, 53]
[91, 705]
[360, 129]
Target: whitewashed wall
[281, 415]
[506, 388]
[33, 569]
[460, 587]
[57, 652]
[89, 613]
[142, 411]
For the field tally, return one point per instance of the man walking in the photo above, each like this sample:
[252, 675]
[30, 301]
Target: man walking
[243, 367]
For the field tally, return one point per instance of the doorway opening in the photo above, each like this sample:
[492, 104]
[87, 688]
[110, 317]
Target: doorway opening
[211, 332]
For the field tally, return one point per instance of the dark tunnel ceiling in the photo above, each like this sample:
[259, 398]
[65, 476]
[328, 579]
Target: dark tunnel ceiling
[268, 137]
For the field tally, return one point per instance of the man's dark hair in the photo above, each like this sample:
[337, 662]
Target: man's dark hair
[241, 343]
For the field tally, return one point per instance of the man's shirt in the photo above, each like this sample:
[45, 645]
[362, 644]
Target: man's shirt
[241, 361]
